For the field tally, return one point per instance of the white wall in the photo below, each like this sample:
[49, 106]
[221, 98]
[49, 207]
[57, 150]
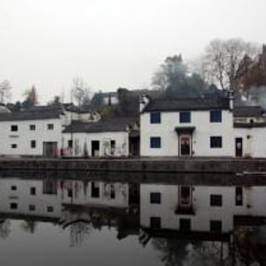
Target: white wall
[253, 204]
[254, 141]
[24, 135]
[81, 139]
[201, 136]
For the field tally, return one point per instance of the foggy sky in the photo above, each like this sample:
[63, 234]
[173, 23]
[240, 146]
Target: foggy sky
[112, 43]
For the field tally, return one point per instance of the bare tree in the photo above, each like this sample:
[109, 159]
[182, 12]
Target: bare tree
[222, 59]
[5, 91]
[80, 91]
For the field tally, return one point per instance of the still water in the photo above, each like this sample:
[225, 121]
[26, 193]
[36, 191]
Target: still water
[77, 222]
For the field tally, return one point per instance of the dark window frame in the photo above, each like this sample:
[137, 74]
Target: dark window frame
[14, 128]
[33, 144]
[216, 116]
[216, 226]
[14, 146]
[155, 222]
[155, 198]
[216, 200]
[155, 142]
[32, 190]
[155, 118]
[216, 142]
[50, 126]
[32, 127]
[185, 117]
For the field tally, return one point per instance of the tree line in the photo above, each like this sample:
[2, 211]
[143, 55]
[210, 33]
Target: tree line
[231, 64]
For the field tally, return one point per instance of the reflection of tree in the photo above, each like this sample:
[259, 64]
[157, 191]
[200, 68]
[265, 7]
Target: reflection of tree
[173, 251]
[79, 232]
[5, 228]
[29, 226]
[209, 254]
[249, 246]
[184, 252]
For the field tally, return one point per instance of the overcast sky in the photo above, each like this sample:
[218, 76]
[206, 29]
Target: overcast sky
[112, 43]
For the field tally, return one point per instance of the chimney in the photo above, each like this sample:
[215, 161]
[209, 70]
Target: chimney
[231, 99]
[143, 102]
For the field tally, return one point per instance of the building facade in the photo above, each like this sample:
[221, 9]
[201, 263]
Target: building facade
[186, 127]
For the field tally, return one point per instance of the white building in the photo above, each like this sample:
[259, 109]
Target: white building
[109, 137]
[38, 131]
[187, 127]
[200, 208]
[250, 131]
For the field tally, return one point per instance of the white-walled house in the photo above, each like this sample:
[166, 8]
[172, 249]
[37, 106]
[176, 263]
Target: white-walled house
[32, 133]
[187, 127]
[108, 137]
[250, 131]
[37, 131]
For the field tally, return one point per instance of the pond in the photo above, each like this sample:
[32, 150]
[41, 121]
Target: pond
[58, 221]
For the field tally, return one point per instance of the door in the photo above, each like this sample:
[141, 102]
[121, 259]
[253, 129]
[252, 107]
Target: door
[95, 148]
[185, 145]
[185, 197]
[238, 147]
[50, 149]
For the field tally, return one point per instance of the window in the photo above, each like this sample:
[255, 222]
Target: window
[112, 191]
[50, 126]
[31, 207]
[184, 225]
[33, 144]
[70, 193]
[14, 146]
[50, 209]
[95, 190]
[216, 226]
[13, 205]
[239, 196]
[184, 117]
[70, 144]
[112, 143]
[155, 222]
[155, 142]
[216, 200]
[216, 142]
[216, 116]
[50, 187]
[33, 191]
[155, 118]
[13, 188]
[14, 128]
[155, 198]
[32, 127]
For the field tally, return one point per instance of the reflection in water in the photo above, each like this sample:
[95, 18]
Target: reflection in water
[176, 224]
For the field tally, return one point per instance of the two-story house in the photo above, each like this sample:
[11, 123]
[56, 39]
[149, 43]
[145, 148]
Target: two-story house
[187, 127]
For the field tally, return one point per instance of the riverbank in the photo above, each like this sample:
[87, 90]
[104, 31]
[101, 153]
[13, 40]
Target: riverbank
[144, 165]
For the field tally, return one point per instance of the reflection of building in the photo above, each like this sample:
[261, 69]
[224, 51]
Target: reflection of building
[70, 202]
[200, 209]
[34, 198]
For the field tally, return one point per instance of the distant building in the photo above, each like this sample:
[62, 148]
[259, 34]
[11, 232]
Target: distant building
[250, 131]
[37, 131]
[113, 137]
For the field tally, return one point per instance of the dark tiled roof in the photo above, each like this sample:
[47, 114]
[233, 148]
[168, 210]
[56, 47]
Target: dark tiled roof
[248, 111]
[30, 115]
[106, 125]
[170, 105]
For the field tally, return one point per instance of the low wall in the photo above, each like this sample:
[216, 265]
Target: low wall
[139, 165]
